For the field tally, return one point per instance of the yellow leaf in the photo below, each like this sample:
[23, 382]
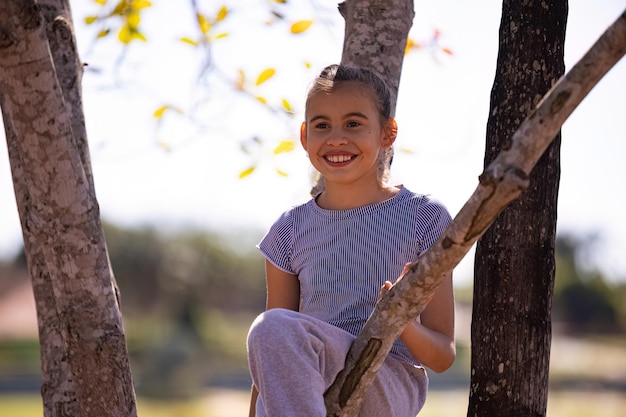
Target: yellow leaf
[120, 8]
[221, 35]
[125, 35]
[447, 51]
[140, 36]
[282, 173]
[409, 45]
[261, 99]
[90, 19]
[265, 75]
[408, 151]
[287, 105]
[128, 34]
[301, 26]
[133, 20]
[280, 1]
[203, 22]
[189, 41]
[164, 145]
[246, 172]
[141, 4]
[101, 2]
[241, 80]
[285, 146]
[103, 33]
[307, 65]
[158, 113]
[221, 15]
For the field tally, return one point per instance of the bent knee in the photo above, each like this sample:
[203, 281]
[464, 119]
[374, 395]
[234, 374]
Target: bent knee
[269, 324]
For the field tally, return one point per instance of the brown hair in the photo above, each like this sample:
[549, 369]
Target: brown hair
[334, 76]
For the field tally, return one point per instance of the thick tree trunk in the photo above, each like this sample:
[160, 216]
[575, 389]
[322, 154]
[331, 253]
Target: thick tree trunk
[514, 265]
[501, 182]
[85, 369]
[375, 37]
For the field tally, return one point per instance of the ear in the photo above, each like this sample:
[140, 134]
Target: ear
[303, 135]
[390, 132]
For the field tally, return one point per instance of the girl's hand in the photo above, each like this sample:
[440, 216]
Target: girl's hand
[387, 285]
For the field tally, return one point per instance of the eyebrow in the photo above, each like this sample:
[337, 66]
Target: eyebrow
[351, 114]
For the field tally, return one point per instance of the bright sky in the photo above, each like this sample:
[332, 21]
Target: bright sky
[442, 113]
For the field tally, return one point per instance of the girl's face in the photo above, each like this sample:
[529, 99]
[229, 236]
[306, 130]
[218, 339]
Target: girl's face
[344, 136]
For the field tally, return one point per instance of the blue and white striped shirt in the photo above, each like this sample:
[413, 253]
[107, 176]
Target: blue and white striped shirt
[343, 257]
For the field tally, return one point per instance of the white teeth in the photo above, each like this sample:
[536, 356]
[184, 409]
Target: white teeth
[338, 158]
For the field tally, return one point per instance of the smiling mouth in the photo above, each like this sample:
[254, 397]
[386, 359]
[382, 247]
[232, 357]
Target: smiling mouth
[337, 159]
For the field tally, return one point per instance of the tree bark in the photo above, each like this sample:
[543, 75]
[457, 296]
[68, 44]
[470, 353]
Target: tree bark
[514, 263]
[85, 368]
[500, 183]
[375, 37]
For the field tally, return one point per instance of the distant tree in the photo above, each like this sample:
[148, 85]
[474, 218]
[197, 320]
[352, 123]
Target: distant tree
[583, 301]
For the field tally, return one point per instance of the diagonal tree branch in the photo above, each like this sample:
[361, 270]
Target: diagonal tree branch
[501, 183]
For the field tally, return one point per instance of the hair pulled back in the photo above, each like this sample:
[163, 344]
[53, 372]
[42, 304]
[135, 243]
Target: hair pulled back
[332, 77]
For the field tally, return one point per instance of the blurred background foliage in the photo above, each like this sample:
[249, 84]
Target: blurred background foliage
[188, 298]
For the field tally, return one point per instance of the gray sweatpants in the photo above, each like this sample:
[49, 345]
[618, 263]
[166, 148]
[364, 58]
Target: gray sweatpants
[294, 358]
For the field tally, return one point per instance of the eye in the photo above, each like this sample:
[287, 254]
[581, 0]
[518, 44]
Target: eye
[321, 125]
[353, 123]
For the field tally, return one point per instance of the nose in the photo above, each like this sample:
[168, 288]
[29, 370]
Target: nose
[336, 138]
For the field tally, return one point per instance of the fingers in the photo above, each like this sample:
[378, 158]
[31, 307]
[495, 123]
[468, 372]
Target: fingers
[386, 287]
[406, 268]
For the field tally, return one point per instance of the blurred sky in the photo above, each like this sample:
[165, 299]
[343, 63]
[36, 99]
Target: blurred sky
[181, 173]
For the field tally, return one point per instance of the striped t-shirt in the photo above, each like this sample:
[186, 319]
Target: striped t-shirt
[343, 257]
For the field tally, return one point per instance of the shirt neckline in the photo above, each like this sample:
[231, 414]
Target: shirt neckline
[357, 211]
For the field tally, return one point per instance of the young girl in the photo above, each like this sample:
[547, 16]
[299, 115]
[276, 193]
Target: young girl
[329, 260]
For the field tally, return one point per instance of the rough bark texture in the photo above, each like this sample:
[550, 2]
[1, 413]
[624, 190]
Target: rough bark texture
[514, 264]
[85, 369]
[375, 37]
[501, 182]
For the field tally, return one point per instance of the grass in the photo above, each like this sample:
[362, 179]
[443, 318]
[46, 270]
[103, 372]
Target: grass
[234, 403]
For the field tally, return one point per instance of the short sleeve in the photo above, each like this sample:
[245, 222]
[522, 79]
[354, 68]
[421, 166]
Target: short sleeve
[436, 219]
[277, 244]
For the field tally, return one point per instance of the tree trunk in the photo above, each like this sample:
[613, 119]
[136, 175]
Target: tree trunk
[376, 33]
[514, 264]
[85, 368]
[501, 182]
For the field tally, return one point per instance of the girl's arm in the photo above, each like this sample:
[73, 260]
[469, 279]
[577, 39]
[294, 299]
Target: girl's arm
[283, 291]
[283, 288]
[431, 340]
